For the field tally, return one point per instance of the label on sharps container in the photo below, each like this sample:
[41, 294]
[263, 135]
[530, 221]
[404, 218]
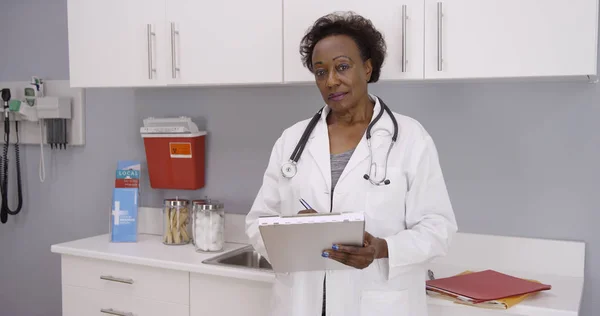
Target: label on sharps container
[124, 215]
[180, 150]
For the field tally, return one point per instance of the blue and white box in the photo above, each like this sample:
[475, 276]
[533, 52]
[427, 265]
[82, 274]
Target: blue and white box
[124, 210]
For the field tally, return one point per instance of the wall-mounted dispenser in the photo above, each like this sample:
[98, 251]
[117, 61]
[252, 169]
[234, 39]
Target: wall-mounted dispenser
[45, 113]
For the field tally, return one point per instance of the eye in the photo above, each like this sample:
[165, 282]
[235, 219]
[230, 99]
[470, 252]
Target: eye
[319, 72]
[343, 67]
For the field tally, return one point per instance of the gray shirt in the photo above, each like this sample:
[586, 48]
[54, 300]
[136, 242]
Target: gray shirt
[338, 163]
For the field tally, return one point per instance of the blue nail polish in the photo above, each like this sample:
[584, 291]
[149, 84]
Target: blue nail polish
[335, 247]
[325, 254]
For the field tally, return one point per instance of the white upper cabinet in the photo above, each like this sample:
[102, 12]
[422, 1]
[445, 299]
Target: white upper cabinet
[224, 42]
[115, 43]
[510, 38]
[138, 43]
[404, 45]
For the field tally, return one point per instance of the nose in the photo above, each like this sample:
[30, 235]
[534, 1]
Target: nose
[332, 79]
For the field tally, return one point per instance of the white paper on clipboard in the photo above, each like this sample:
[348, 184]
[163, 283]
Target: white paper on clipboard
[296, 243]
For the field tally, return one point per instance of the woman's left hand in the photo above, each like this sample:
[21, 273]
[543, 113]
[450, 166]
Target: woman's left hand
[359, 257]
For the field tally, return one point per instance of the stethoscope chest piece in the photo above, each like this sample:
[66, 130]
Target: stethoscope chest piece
[288, 170]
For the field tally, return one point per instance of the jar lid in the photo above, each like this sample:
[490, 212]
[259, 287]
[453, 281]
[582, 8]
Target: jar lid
[199, 202]
[176, 202]
[208, 205]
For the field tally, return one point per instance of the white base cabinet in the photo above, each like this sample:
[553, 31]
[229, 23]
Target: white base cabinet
[217, 295]
[79, 301]
[103, 287]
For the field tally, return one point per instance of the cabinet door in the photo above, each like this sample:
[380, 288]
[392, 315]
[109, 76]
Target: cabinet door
[126, 279]
[387, 16]
[110, 44]
[218, 295]
[224, 42]
[80, 301]
[510, 38]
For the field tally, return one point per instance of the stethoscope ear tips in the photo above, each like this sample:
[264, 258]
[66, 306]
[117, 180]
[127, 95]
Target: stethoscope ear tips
[386, 182]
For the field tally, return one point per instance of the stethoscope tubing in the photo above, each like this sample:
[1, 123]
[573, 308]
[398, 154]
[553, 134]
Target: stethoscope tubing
[289, 168]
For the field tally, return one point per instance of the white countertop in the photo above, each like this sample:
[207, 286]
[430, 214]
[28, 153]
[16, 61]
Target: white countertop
[563, 299]
[150, 251]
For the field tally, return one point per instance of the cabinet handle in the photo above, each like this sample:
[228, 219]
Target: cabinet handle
[114, 279]
[111, 311]
[404, 18]
[150, 34]
[174, 67]
[440, 14]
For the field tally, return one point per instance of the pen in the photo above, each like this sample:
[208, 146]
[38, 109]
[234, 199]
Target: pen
[306, 205]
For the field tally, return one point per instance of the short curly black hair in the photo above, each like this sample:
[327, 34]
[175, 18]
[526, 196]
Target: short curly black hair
[369, 40]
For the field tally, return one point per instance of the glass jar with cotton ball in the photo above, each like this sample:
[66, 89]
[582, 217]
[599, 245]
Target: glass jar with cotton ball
[208, 225]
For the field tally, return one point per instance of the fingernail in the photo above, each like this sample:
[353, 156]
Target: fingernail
[325, 254]
[335, 247]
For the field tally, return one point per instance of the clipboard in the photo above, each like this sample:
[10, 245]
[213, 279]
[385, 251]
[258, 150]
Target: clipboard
[295, 243]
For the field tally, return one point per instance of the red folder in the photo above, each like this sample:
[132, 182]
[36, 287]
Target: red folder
[485, 286]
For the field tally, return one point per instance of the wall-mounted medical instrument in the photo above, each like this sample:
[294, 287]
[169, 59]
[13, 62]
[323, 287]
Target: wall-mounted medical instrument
[4, 208]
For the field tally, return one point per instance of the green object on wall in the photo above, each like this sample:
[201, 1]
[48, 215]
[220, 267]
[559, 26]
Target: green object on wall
[14, 105]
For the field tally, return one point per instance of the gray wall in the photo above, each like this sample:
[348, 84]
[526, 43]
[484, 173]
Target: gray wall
[520, 159]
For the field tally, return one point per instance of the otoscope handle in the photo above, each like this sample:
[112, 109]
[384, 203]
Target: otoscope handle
[5, 99]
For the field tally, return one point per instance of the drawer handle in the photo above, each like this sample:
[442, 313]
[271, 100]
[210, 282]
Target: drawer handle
[114, 279]
[111, 311]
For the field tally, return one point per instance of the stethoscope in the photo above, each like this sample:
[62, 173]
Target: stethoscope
[289, 169]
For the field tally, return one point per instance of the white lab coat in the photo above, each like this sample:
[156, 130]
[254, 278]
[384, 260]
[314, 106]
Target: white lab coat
[413, 214]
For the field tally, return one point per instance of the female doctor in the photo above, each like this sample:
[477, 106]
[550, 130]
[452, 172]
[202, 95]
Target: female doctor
[358, 157]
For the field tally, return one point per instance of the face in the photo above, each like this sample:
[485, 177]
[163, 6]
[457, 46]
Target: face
[340, 73]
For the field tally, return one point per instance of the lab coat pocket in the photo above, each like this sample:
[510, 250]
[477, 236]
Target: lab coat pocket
[385, 206]
[384, 303]
[291, 190]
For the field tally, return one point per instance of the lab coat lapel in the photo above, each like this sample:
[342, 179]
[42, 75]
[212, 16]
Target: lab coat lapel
[362, 149]
[319, 148]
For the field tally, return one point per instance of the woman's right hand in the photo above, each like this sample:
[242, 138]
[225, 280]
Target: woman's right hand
[307, 211]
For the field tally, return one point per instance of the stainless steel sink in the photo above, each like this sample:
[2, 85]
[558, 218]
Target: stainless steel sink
[245, 257]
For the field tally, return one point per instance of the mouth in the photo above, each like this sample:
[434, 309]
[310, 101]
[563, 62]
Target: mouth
[337, 96]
